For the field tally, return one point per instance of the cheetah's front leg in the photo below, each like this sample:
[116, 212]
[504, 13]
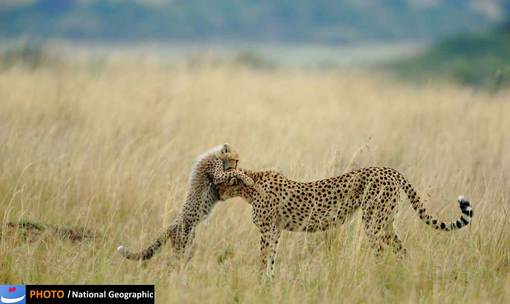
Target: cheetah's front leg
[268, 250]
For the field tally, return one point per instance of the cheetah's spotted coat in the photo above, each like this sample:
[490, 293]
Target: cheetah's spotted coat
[320, 205]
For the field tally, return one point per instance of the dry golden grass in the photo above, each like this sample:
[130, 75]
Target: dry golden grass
[110, 148]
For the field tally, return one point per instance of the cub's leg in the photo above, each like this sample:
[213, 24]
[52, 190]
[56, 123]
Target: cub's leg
[221, 176]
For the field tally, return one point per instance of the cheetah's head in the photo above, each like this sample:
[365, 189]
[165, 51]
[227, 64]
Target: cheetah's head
[229, 156]
[230, 190]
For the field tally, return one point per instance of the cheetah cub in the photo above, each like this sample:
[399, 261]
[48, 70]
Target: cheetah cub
[217, 165]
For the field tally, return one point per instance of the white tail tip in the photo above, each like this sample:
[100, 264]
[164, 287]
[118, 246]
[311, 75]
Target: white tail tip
[461, 198]
[121, 249]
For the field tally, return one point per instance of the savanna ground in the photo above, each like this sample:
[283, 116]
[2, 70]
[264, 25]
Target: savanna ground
[110, 147]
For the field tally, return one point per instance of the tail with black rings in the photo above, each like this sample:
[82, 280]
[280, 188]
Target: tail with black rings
[464, 205]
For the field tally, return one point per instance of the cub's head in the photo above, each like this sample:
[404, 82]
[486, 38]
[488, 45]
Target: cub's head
[229, 156]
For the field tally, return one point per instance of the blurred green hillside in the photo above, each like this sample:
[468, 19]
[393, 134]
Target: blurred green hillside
[324, 21]
[479, 60]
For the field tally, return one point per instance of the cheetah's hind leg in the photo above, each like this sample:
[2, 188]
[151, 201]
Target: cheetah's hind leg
[392, 240]
[378, 218]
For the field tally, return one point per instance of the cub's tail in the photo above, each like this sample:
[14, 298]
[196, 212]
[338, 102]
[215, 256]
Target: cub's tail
[464, 205]
[150, 251]
[32, 230]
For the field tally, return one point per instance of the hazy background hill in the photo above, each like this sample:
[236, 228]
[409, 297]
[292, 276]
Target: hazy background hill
[325, 21]
[467, 42]
[476, 59]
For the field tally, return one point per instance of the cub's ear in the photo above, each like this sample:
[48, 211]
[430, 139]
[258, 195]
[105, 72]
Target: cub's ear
[225, 148]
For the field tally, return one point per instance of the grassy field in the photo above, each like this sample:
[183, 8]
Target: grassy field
[110, 147]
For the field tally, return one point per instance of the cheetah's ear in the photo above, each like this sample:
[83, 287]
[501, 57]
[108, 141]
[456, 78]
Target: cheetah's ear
[225, 148]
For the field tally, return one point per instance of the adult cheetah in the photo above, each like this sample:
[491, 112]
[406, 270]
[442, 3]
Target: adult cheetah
[320, 205]
[217, 165]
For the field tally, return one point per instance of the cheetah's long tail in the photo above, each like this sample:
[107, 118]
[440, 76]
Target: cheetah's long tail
[465, 209]
[150, 251]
